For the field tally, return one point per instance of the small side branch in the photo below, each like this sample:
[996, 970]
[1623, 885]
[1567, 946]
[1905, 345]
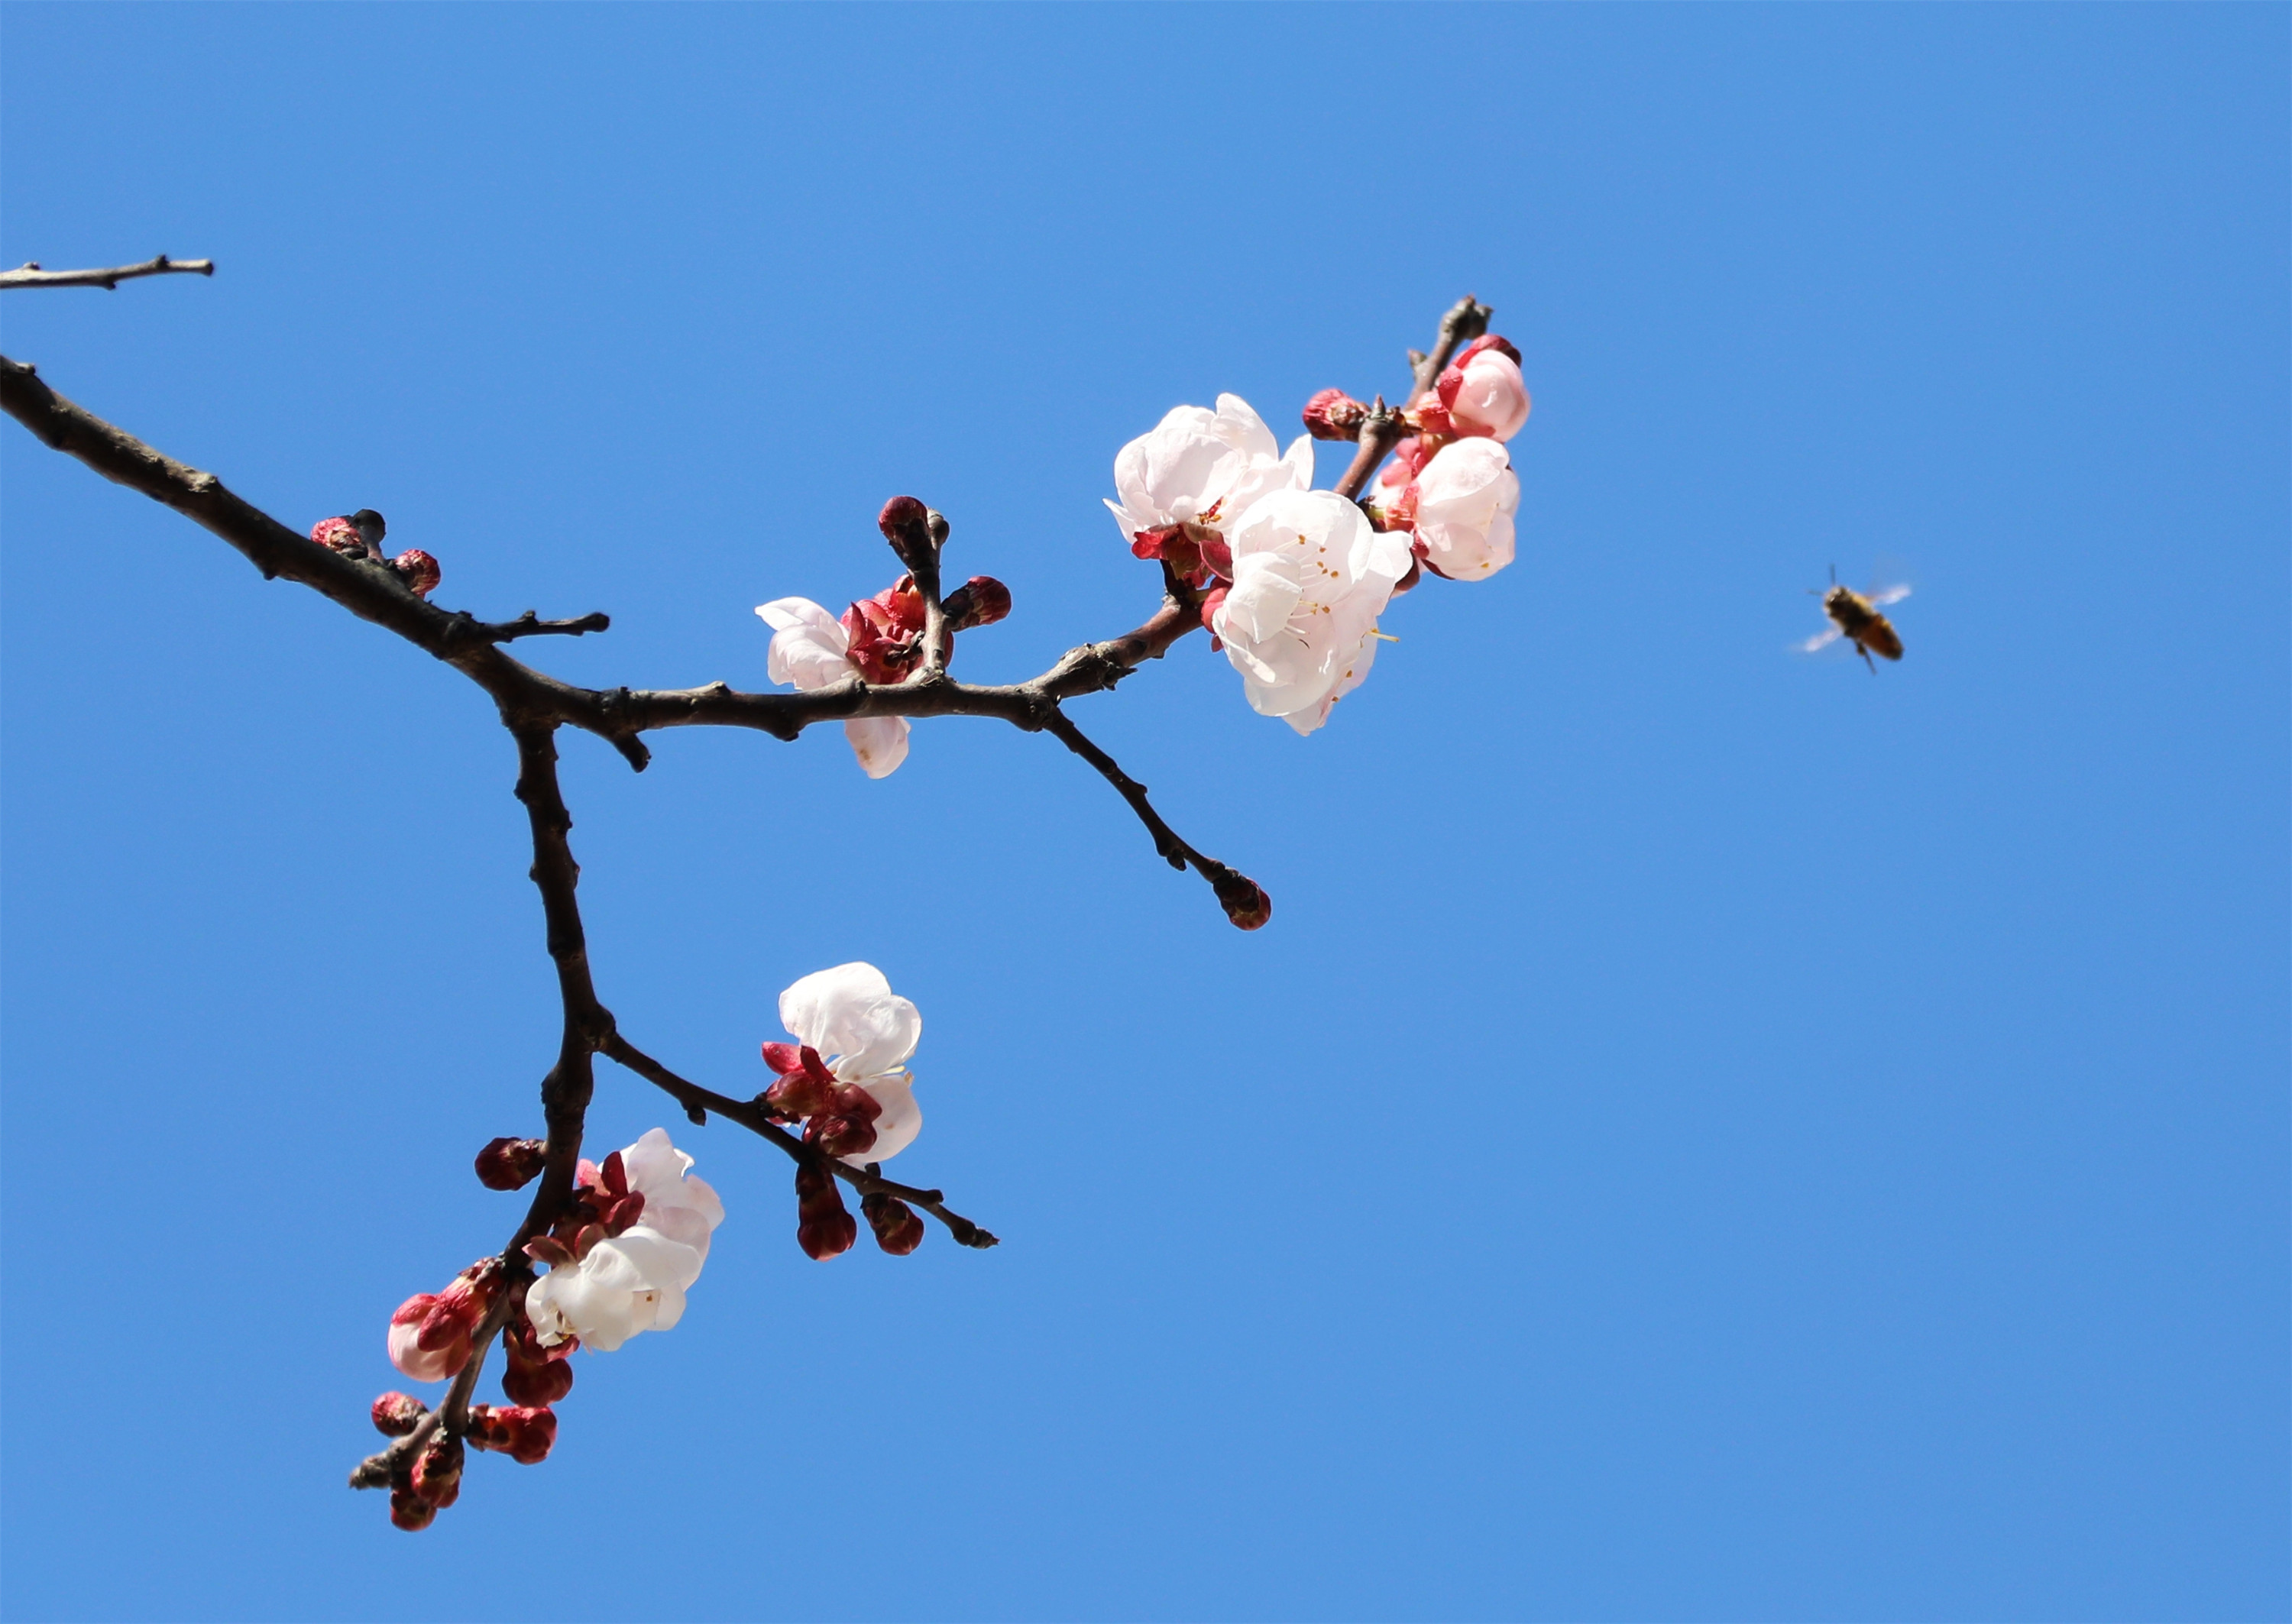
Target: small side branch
[1245, 904]
[30, 275]
[698, 1102]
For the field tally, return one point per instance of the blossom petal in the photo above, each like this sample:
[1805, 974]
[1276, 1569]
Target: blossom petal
[902, 1120]
[808, 643]
[879, 742]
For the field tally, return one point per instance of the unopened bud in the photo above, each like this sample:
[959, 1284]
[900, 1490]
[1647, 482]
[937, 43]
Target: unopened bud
[823, 1229]
[438, 1470]
[410, 1512]
[511, 1164]
[980, 601]
[524, 1432]
[418, 570]
[898, 1230]
[847, 1128]
[905, 523]
[537, 1384]
[1334, 415]
[396, 1414]
[339, 534]
[1244, 901]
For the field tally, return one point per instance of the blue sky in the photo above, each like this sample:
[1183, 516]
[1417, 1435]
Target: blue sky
[1708, 1134]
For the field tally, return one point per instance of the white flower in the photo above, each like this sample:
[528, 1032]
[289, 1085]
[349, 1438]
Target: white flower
[1310, 578]
[865, 1032]
[1464, 502]
[808, 649]
[635, 1280]
[1204, 467]
[1490, 398]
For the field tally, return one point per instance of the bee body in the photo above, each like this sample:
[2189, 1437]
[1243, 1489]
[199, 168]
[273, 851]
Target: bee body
[1858, 621]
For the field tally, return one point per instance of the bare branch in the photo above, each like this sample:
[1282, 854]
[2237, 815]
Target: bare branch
[30, 275]
[698, 1102]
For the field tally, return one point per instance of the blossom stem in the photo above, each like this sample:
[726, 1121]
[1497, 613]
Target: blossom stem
[699, 1101]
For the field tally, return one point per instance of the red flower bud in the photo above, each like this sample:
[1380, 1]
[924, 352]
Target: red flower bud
[410, 1512]
[980, 601]
[847, 1128]
[783, 1058]
[418, 570]
[905, 523]
[523, 1433]
[338, 534]
[511, 1164]
[1246, 903]
[397, 1414]
[438, 1470]
[1334, 415]
[823, 1229]
[898, 1230]
[537, 1384]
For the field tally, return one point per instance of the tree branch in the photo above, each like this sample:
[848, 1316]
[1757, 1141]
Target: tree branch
[30, 275]
[698, 1102]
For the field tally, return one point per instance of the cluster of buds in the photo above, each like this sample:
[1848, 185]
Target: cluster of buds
[596, 1212]
[358, 535]
[1450, 485]
[431, 1333]
[433, 1480]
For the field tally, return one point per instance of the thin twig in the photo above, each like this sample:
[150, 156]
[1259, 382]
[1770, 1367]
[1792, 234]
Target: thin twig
[699, 1101]
[30, 275]
[529, 625]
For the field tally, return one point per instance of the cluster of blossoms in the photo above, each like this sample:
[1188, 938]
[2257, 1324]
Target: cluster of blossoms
[1292, 580]
[880, 638]
[634, 1235]
[845, 1079]
[620, 1258]
[358, 535]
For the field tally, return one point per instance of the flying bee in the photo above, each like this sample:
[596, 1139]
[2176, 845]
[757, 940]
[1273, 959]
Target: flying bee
[1855, 616]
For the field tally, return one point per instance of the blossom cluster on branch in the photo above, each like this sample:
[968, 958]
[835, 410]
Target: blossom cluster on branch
[1290, 582]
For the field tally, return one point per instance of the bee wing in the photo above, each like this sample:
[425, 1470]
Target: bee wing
[1815, 644]
[1889, 594]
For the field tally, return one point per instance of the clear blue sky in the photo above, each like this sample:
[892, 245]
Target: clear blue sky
[1707, 1135]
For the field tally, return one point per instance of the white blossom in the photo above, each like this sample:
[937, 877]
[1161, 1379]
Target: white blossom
[1204, 467]
[1310, 577]
[864, 1033]
[635, 1280]
[1466, 497]
[810, 650]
